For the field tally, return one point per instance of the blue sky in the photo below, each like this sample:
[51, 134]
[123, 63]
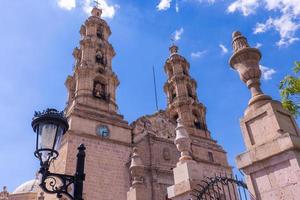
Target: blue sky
[37, 39]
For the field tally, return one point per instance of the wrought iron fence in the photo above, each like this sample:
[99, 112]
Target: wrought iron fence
[225, 187]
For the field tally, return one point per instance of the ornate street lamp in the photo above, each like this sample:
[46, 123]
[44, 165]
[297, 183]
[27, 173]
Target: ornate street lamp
[50, 126]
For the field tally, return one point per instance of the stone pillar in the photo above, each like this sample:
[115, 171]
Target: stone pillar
[187, 173]
[271, 135]
[138, 189]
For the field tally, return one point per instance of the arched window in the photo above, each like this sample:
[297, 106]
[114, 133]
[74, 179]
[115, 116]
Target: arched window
[175, 117]
[197, 121]
[211, 157]
[99, 90]
[171, 71]
[172, 93]
[100, 59]
[190, 92]
[185, 71]
[100, 33]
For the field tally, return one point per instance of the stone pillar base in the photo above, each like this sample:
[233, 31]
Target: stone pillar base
[137, 192]
[186, 177]
[272, 159]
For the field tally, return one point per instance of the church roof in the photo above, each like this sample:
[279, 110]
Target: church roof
[28, 187]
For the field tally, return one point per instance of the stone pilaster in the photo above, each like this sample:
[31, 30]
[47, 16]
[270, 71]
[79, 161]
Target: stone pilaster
[271, 135]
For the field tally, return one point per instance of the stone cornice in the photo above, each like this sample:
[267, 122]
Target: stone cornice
[95, 137]
[283, 143]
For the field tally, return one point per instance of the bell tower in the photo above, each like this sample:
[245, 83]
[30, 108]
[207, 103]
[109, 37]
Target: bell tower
[183, 102]
[93, 83]
[93, 116]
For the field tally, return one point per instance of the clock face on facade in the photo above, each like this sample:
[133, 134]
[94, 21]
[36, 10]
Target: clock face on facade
[103, 131]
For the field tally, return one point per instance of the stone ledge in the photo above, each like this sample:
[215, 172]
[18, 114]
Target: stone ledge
[267, 150]
[179, 189]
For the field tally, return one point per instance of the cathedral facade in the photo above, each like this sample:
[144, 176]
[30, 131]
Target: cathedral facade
[94, 120]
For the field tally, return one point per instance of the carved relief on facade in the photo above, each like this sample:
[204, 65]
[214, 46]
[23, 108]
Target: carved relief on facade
[158, 124]
[166, 153]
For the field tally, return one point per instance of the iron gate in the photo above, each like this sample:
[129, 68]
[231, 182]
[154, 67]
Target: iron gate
[222, 188]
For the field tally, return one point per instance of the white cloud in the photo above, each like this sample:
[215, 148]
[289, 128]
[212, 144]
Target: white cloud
[287, 24]
[67, 4]
[198, 54]
[108, 11]
[177, 34]
[258, 45]
[164, 5]
[208, 1]
[284, 25]
[247, 7]
[266, 72]
[223, 48]
[177, 7]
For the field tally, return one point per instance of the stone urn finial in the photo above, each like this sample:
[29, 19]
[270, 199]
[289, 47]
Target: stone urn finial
[136, 168]
[246, 61]
[182, 142]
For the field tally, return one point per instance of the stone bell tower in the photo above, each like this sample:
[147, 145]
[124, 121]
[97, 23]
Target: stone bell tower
[93, 83]
[183, 102]
[93, 116]
[201, 155]
[272, 138]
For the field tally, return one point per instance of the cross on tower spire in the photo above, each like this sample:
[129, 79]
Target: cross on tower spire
[97, 3]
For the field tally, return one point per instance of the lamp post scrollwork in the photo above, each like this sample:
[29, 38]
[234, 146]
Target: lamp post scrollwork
[50, 126]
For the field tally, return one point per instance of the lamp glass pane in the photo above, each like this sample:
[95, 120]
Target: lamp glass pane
[59, 136]
[46, 135]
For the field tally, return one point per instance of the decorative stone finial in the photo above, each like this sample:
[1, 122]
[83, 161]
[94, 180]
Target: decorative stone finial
[96, 12]
[182, 142]
[246, 61]
[136, 168]
[239, 41]
[4, 194]
[173, 49]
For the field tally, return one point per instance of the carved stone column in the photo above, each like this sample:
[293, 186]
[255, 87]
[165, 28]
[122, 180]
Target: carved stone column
[271, 135]
[138, 189]
[187, 173]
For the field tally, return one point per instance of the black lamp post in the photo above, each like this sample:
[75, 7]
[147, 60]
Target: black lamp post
[49, 126]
